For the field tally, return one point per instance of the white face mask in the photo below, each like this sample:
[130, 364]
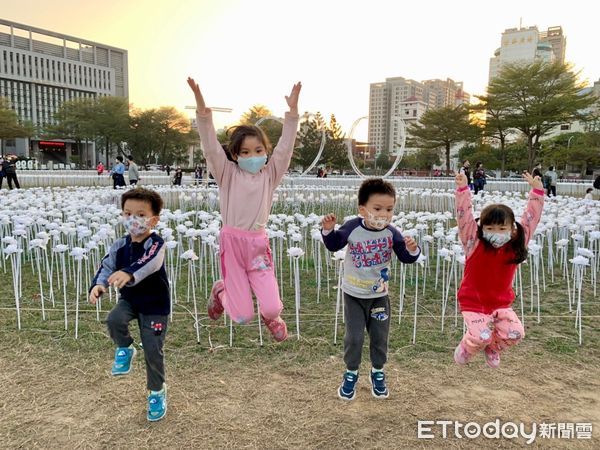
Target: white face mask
[497, 239]
[377, 223]
[135, 225]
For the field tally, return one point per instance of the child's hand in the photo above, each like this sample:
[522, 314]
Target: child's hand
[328, 222]
[95, 293]
[200, 105]
[411, 244]
[460, 179]
[292, 100]
[534, 182]
[119, 279]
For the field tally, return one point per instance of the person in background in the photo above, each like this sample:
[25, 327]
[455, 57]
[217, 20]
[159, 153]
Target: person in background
[10, 171]
[478, 177]
[100, 168]
[134, 175]
[2, 173]
[537, 171]
[168, 170]
[117, 173]
[177, 177]
[467, 171]
[550, 178]
[588, 194]
[198, 174]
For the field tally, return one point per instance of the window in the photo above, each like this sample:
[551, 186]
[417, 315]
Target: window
[566, 126]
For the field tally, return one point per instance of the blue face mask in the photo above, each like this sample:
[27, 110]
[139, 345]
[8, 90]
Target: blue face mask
[252, 164]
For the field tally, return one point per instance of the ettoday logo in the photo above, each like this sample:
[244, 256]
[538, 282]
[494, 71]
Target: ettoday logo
[431, 429]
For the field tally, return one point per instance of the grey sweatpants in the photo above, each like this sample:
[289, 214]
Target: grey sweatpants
[152, 339]
[374, 315]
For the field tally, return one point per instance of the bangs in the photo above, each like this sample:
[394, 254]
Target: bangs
[496, 215]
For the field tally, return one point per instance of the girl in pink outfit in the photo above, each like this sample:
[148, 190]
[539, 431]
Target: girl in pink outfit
[493, 250]
[246, 186]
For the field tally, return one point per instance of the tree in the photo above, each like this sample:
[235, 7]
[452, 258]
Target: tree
[73, 121]
[442, 128]
[310, 137]
[335, 152]
[540, 96]
[160, 135]
[423, 159]
[484, 153]
[271, 128]
[10, 128]
[573, 150]
[109, 122]
[497, 126]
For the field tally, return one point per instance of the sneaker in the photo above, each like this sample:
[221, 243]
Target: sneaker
[157, 404]
[461, 357]
[215, 307]
[378, 387]
[277, 327]
[347, 390]
[492, 357]
[123, 358]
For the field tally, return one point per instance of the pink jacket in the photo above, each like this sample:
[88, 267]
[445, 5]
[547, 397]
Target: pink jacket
[246, 198]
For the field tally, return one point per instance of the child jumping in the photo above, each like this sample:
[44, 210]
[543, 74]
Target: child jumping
[493, 250]
[371, 240]
[135, 265]
[246, 186]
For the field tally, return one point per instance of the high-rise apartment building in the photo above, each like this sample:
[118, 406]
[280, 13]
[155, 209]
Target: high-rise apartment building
[40, 69]
[401, 98]
[526, 45]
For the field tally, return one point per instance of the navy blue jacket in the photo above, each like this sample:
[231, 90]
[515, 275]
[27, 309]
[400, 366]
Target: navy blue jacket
[148, 292]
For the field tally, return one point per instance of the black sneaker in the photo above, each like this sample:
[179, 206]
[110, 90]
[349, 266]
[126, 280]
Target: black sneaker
[378, 387]
[347, 390]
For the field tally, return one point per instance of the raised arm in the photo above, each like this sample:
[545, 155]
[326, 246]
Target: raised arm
[216, 159]
[283, 151]
[533, 211]
[467, 227]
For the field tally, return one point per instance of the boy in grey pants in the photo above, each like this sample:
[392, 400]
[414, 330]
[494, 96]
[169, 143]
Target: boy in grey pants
[135, 265]
[371, 242]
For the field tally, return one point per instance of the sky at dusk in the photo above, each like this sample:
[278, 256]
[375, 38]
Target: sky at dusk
[251, 52]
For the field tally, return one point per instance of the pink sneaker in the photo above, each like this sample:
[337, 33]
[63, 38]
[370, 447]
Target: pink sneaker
[277, 327]
[215, 307]
[492, 357]
[461, 357]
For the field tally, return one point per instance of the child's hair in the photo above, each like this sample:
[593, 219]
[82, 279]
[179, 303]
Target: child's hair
[120, 158]
[239, 133]
[130, 157]
[145, 195]
[588, 190]
[374, 186]
[498, 214]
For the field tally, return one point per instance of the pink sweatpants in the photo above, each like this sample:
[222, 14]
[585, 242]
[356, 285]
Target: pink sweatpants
[499, 330]
[247, 266]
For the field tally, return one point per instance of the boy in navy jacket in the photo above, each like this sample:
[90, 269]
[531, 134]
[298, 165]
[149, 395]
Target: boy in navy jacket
[135, 265]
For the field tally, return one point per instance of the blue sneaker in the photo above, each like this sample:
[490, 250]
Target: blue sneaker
[347, 390]
[378, 387]
[123, 358]
[157, 404]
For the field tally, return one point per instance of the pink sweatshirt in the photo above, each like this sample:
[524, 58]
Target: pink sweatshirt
[487, 282]
[246, 198]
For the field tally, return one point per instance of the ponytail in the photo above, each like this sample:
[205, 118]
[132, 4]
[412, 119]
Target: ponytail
[518, 245]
